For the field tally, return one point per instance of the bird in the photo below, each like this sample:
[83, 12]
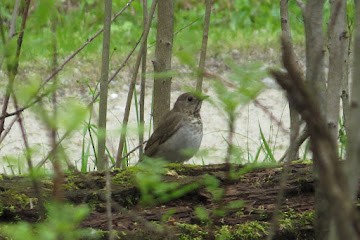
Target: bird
[179, 134]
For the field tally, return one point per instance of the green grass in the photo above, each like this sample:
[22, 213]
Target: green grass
[240, 24]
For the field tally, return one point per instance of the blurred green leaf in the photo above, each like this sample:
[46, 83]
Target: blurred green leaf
[62, 222]
[247, 85]
[26, 92]
[44, 10]
[202, 214]
[71, 114]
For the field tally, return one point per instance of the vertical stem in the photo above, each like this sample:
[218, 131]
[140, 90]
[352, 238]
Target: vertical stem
[142, 85]
[58, 174]
[230, 139]
[100, 164]
[108, 199]
[199, 81]
[337, 60]
[35, 182]
[13, 66]
[293, 152]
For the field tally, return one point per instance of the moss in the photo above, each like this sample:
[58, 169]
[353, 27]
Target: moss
[224, 233]
[182, 169]
[302, 161]
[293, 222]
[70, 182]
[252, 230]
[10, 200]
[126, 177]
[191, 231]
[293, 225]
[70, 186]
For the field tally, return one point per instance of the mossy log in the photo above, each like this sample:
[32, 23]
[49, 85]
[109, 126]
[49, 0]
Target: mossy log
[181, 218]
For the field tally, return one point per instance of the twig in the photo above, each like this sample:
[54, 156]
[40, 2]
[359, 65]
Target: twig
[132, 85]
[7, 130]
[199, 81]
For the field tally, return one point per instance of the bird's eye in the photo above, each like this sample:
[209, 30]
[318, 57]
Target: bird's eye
[190, 98]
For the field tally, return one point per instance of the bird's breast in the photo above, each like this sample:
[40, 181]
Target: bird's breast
[184, 143]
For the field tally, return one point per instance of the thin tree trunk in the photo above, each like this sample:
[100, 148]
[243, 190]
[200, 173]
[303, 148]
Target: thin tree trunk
[199, 81]
[314, 40]
[142, 85]
[353, 150]
[337, 46]
[58, 178]
[345, 88]
[100, 164]
[162, 62]
[293, 152]
[337, 51]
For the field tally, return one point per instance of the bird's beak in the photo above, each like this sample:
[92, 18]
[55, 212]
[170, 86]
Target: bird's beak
[203, 97]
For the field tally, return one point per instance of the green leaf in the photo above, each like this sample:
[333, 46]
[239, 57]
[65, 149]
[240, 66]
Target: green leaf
[267, 146]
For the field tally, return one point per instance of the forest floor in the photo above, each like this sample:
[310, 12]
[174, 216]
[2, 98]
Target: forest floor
[244, 211]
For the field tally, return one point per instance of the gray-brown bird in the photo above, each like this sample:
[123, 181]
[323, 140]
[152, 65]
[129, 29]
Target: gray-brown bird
[179, 134]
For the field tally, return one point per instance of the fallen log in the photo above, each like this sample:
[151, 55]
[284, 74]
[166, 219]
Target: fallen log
[242, 210]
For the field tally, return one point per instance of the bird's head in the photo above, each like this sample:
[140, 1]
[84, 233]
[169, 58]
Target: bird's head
[189, 103]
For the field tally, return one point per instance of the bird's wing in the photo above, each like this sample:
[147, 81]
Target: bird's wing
[168, 126]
